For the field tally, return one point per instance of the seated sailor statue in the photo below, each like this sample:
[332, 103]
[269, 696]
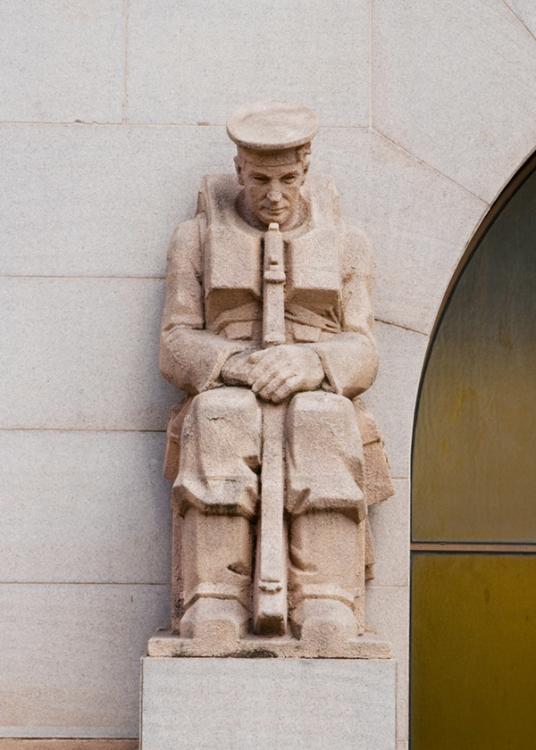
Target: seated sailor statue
[267, 327]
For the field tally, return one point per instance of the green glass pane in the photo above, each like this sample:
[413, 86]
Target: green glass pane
[474, 463]
[473, 652]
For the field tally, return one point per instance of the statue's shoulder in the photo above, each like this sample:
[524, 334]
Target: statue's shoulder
[358, 256]
[217, 198]
[324, 198]
[215, 207]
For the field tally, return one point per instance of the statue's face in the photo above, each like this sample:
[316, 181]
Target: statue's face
[272, 193]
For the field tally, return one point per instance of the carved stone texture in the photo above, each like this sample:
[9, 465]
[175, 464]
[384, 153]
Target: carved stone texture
[267, 327]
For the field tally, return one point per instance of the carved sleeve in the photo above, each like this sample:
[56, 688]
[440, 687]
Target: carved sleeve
[350, 358]
[190, 356]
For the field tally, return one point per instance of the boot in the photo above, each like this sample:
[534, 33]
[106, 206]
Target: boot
[216, 563]
[327, 576]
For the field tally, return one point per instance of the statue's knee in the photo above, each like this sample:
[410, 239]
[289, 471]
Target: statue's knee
[321, 424]
[220, 453]
[224, 403]
[320, 406]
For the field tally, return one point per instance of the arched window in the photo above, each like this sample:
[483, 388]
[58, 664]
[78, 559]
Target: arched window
[473, 651]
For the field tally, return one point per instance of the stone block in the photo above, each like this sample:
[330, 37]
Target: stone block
[388, 614]
[392, 398]
[100, 201]
[82, 354]
[103, 201]
[525, 10]
[84, 507]
[390, 527]
[62, 61]
[193, 62]
[456, 87]
[307, 704]
[41, 744]
[70, 661]
[418, 221]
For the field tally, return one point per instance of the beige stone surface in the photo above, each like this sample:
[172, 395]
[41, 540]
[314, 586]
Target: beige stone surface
[390, 528]
[195, 62]
[388, 613]
[81, 354]
[83, 507]
[100, 201]
[62, 61]
[267, 325]
[42, 744]
[453, 82]
[107, 198]
[269, 126]
[70, 661]
[418, 221]
[392, 398]
[291, 704]
[525, 10]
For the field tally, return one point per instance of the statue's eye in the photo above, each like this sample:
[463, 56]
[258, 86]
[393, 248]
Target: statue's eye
[261, 179]
[288, 179]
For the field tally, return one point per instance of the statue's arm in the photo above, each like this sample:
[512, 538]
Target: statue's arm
[190, 356]
[350, 359]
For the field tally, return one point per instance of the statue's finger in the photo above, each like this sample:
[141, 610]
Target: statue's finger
[278, 378]
[259, 379]
[284, 391]
[275, 383]
[263, 379]
[268, 365]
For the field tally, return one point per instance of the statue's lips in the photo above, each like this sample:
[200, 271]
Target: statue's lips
[276, 211]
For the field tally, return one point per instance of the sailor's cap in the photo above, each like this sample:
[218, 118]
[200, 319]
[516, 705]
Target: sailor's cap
[272, 126]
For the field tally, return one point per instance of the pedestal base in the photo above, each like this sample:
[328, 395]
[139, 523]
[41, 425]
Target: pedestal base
[366, 646]
[288, 704]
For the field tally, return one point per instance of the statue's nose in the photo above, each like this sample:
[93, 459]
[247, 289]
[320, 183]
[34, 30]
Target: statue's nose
[274, 196]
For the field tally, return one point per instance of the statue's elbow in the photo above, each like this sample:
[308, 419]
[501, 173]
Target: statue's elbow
[369, 367]
[166, 363]
[373, 367]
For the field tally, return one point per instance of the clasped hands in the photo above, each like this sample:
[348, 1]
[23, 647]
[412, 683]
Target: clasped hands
[276, 373]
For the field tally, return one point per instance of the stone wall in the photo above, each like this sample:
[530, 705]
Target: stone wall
[110, 113]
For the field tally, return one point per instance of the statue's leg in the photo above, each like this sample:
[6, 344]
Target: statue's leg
[327, 512]
[216, 492]
[216, 565]
[327, 575]
[220, 453]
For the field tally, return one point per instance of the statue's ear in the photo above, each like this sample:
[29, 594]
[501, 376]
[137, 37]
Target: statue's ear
[305, 157]
[238, 167]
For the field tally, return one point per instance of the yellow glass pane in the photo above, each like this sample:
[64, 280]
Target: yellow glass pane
[473, 652]
[474, 464]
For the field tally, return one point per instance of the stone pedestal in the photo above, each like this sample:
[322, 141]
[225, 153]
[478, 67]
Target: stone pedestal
[288, 704]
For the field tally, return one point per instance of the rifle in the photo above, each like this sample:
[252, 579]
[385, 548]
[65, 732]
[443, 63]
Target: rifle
[270, 587]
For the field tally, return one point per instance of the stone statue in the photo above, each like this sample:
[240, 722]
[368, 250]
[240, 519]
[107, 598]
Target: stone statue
[267, 327]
